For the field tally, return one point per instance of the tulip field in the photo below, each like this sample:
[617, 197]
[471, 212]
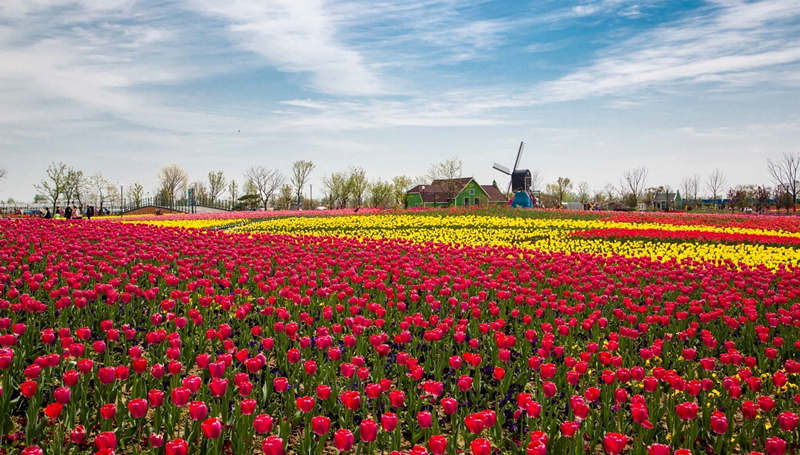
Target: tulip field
[430, 332]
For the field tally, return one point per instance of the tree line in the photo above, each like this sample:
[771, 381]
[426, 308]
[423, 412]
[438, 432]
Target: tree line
[349, 188]
[260, 187]
[710, 191]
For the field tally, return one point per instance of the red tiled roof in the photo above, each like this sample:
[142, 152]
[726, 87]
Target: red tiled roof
[494, 193]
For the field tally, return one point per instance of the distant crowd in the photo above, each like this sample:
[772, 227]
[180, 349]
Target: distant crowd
[75, 212]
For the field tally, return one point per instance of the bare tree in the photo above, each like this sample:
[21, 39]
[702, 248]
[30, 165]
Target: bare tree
[339, 192]
[134, 194]
[634, 181]
[173, 180]
[264, 181]
[73, 185]
[357, 183]
[689, 187]
[583, 192]
[784, 173]
[53, 185]
[448, 170]
[300, 172]
[715, 181]
[216, 184]
[536, 179]
[199, 192]
[401, 184]
[233, 191]
[101, 189]
[560, 189]
[381, 194]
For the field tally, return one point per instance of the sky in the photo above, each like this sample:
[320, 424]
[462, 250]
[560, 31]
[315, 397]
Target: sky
[593, 87]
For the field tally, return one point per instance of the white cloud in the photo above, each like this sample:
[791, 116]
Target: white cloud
[736, 41]
[297, 36]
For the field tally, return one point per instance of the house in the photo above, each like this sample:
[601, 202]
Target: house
[460, 192]
[667, 201]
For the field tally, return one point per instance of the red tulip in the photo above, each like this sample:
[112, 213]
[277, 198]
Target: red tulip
[62, 395]
[474, 423]
[397, 398]
[614, 442]
[31, 450]
[280, 384]
[212, 428]
[788, 421]
[78, 435]
[437, 444]
[388, 421]
[137, 408]
[569, 428]
[320, 425]
[659, 449]
[198, 410]
[180, 396]
[272, 445]
[262, 423]
[305, 403]
[424, 419]
[28, 389]
[719, 422]
[687, 410]
[450, 405]
[775, 446]
[343, 440]
[368, 430]
[177, 447]
[218, 387]
[106, 440]
[155, 397]
[108, 411]
[156, 440]
[481, 446]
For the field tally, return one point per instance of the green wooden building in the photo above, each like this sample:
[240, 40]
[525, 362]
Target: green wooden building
[461, 192]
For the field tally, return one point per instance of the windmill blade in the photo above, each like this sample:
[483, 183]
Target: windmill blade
[501, 168]
[519, 154]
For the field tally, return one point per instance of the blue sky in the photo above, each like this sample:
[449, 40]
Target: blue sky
[594, 87]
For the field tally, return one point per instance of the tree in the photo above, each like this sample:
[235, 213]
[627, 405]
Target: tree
[401, 184]
[300, 172]
[53, 185]
[536, 179]
[134, 194]
[199, 193]
[172, 181]
[761, 198]
[264, 181]
[381, 194]
[73, 185]
[784, 174]
[633, 181]
[101, 189]
[338, 186]
[357, 183]
[233, 190]
[583, 192]
[560, 189]
[715, 181]
[216, 184]
[448, 170]
[689, 188]
[285, 197]
[783, 199]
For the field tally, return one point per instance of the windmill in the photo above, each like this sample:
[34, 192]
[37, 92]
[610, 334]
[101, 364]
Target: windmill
[520, 182]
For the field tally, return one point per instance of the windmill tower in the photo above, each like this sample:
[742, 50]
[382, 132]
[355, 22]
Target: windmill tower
[520, 182]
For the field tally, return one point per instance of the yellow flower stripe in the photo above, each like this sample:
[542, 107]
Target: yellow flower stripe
[188, 224]
[540, 234]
